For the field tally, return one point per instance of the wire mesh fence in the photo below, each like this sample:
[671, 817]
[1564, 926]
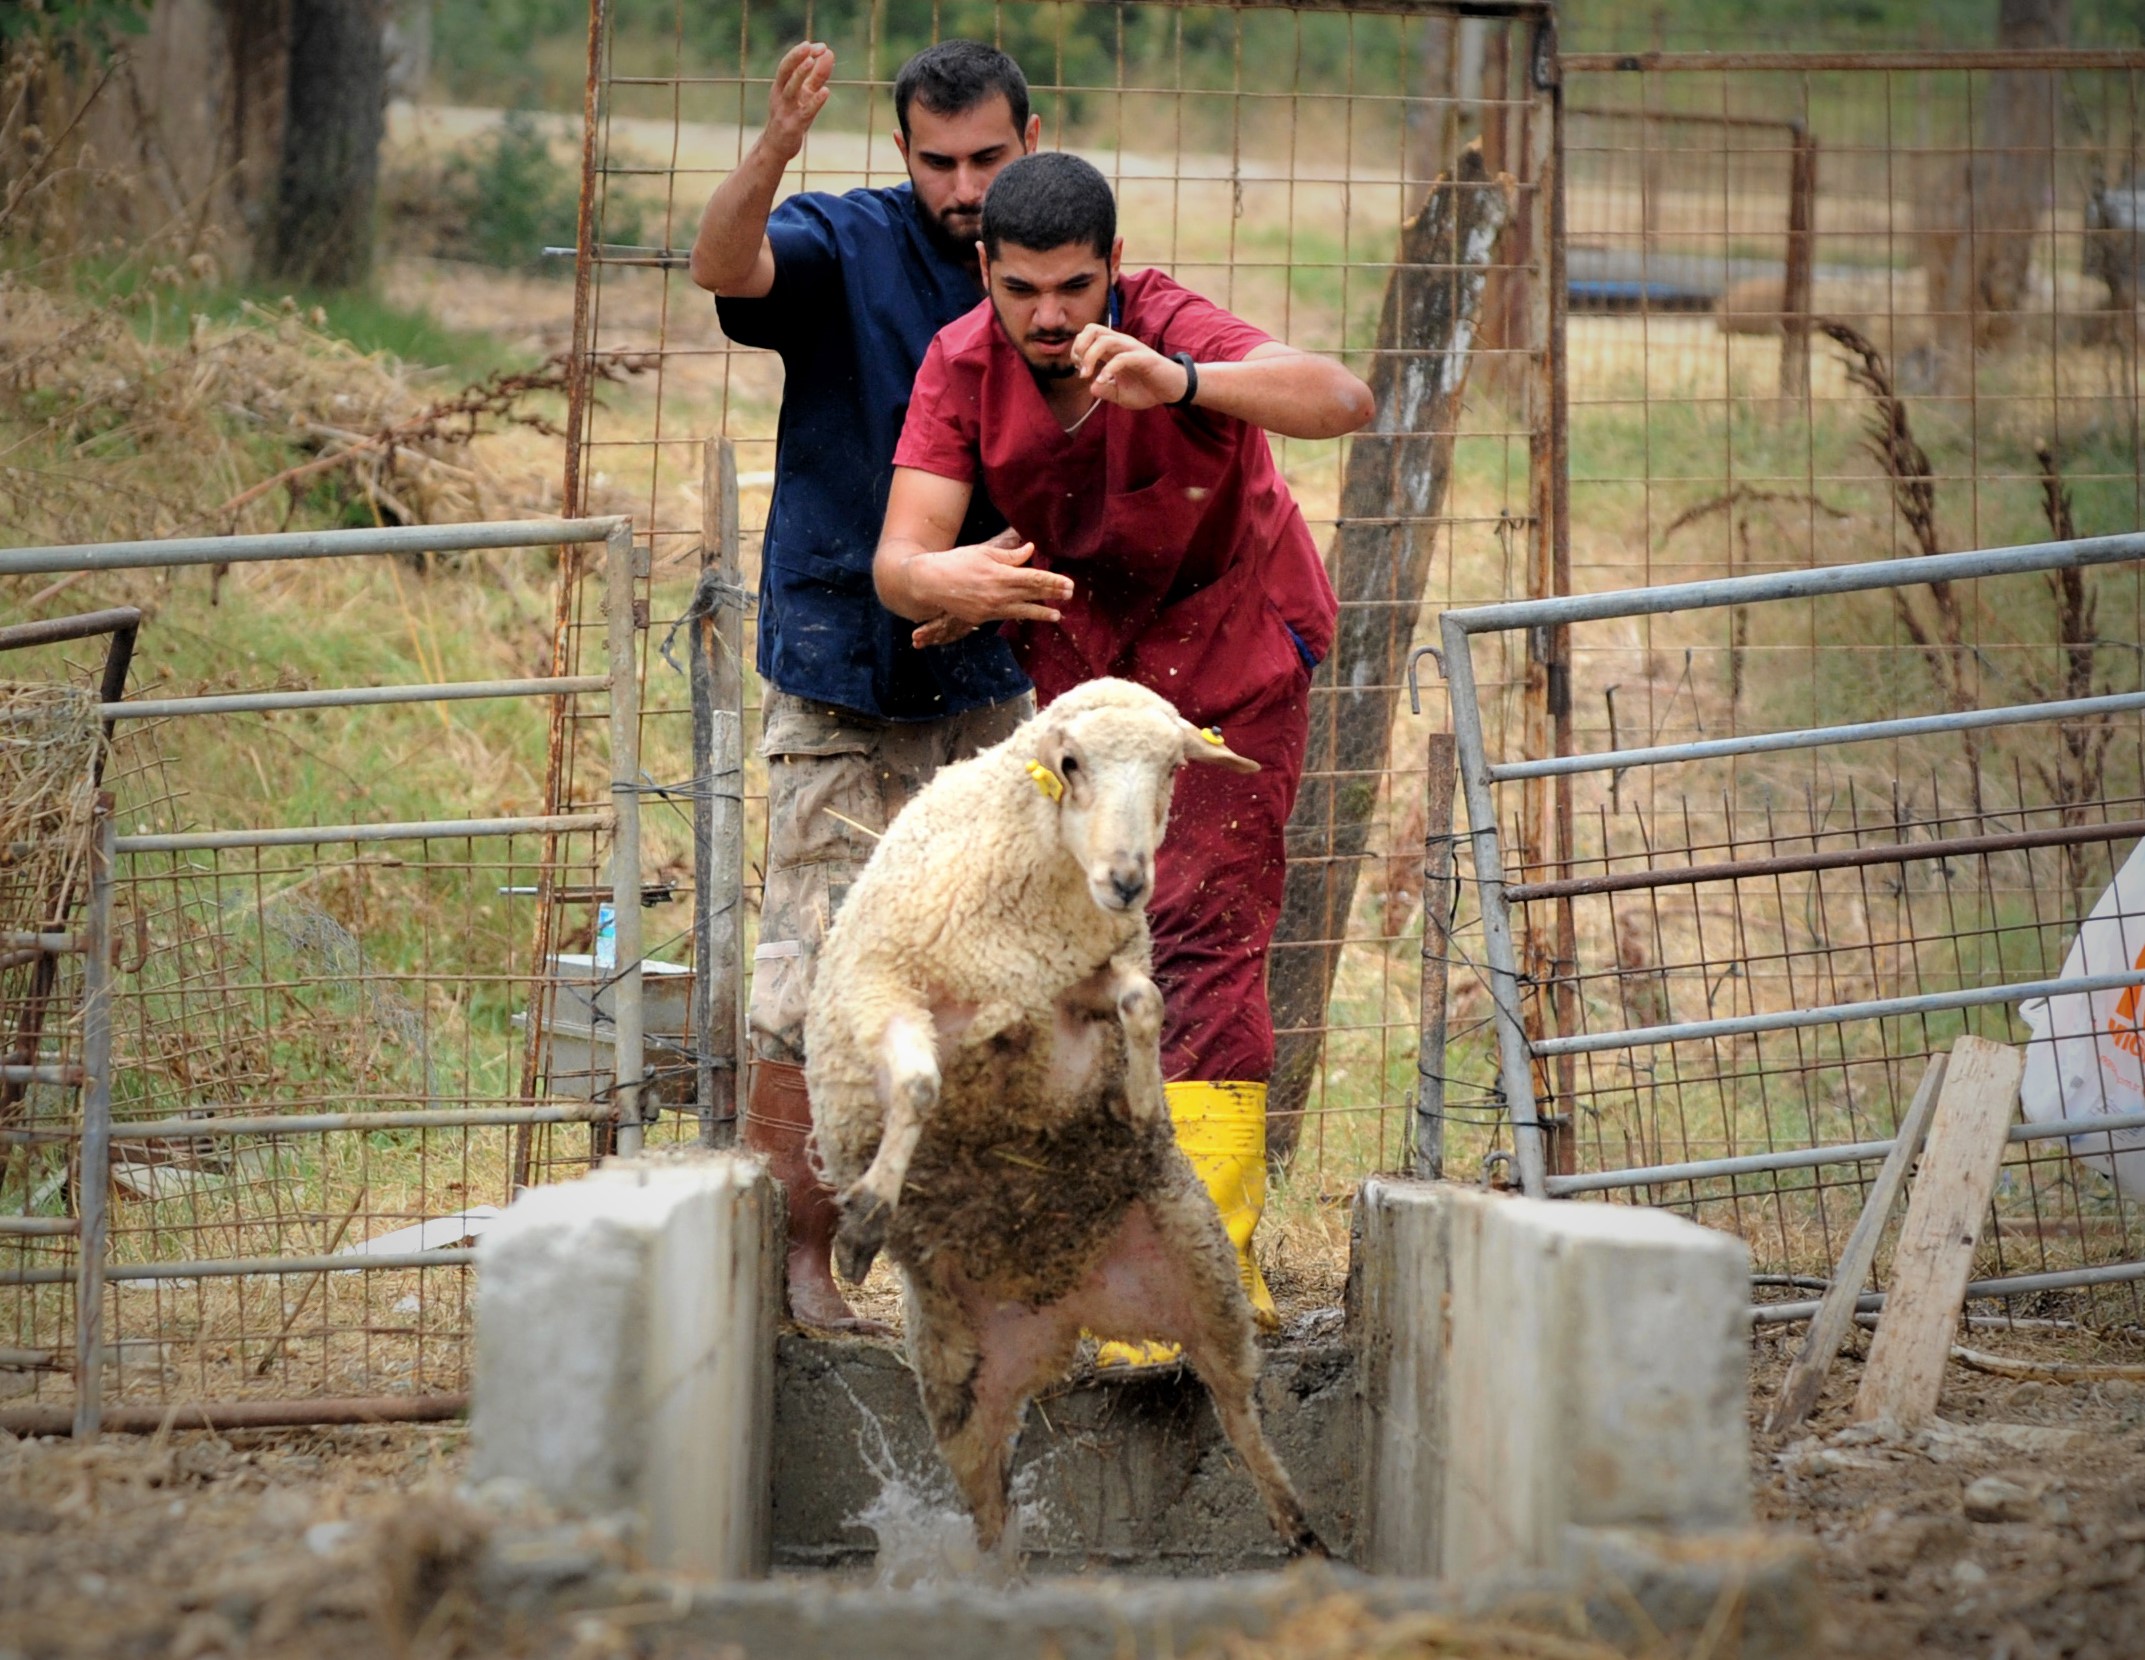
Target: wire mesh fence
[333, 1051]
[1268, 156]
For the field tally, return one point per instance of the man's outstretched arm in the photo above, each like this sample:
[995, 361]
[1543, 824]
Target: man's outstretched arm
[731, 253]
[922, 575]
[1296, 394]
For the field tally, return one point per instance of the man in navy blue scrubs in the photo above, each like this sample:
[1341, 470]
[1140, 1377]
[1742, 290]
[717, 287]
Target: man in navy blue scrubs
[850, 291]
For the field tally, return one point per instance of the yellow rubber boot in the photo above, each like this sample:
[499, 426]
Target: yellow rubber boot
[1221, 1128]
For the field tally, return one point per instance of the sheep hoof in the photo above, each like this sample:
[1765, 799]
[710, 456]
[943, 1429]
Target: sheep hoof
[863, 1230]
[1139, 1008]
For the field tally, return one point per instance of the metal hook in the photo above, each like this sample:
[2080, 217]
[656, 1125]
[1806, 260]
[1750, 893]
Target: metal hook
[1415, 692]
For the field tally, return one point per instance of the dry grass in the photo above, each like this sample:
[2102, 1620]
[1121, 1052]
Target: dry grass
[120, 420]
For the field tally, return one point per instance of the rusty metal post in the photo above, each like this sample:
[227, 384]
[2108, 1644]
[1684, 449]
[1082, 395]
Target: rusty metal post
[1437, 947]
[717, 674]
[93, 1171]
[1545, 830]
[1798, 285]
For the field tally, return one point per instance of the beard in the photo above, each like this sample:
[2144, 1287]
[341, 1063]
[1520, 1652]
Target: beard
[1051, 369]
[954, 230]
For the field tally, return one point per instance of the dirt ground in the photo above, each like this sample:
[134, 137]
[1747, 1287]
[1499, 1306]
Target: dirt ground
[2015, 1529]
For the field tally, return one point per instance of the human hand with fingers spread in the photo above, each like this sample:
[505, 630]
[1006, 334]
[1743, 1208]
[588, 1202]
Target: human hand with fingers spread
[1121, 370]
[799, 93]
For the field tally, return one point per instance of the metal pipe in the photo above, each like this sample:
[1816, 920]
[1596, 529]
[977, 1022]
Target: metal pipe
[620, 638]
[93, 1184]
[1437, 951]
[55, 630]
[66, 1076]
[2034, 57]
[1804, 1158]
[442, 1118]
[1805, 584]
[302, 544]
[351, 697]
[1820, 737]
[228, 1268]
[1845, 858]
[1690, 118]
[40, 1227]
[717, 676]
[320, 835]
[65, 944]
[1515, 1059]
[2018, 1285]
[221, 1415]
[1881, 1008]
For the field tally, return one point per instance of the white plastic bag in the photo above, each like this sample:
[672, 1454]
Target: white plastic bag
[2087, 1056]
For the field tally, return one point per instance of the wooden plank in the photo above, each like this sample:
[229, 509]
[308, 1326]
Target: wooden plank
[1836, 1313]
[1936, 1243]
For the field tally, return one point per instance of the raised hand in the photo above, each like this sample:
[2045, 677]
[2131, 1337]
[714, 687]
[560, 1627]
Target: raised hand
[1119, 369]
[800, 92]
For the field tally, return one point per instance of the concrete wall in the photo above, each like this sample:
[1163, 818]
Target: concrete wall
[1535, 1370]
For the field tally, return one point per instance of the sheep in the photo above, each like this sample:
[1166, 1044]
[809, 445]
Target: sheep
[983, 1051]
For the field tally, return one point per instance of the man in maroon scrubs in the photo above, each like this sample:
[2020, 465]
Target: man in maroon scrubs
[1119, 424]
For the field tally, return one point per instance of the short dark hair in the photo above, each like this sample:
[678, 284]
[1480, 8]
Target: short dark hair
[1047, 200]
[955, 76]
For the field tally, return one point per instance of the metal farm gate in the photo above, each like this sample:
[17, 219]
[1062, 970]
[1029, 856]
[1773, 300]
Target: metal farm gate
[1829, 309]
[290, 1049]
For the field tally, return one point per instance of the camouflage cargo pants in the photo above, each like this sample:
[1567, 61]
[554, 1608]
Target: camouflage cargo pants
[834, 780]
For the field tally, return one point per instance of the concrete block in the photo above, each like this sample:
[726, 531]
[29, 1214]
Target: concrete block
[625, 1354]
[1533, 1367]
[1397, 1282]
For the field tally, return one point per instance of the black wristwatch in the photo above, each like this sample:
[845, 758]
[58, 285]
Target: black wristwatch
[1191, 378]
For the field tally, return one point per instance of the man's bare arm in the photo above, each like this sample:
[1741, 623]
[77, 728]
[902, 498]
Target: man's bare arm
[1296, 394]
[922, 575]
[731, 253]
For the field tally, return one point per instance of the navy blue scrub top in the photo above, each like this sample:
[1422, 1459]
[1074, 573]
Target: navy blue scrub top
[860, 289]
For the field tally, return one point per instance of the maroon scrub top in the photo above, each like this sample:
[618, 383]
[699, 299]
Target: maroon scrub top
[1193, 571]
[1194, 575]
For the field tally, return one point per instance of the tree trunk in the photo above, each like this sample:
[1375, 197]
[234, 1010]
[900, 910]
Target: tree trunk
[1398, 473]
[2015, 157]
[1981, 212]
[335, 114]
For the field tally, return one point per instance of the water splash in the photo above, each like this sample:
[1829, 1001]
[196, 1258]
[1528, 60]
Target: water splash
[924, 1535]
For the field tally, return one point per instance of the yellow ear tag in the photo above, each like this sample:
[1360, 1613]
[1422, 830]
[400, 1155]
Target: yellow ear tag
[1047, 781]
[1212, 734]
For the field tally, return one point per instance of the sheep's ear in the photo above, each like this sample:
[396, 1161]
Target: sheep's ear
[1205, 745]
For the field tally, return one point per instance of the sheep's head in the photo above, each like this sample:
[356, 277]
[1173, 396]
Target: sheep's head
[1106, 755]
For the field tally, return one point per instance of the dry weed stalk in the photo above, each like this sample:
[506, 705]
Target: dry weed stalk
[2075, 775]
[1941, 639]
